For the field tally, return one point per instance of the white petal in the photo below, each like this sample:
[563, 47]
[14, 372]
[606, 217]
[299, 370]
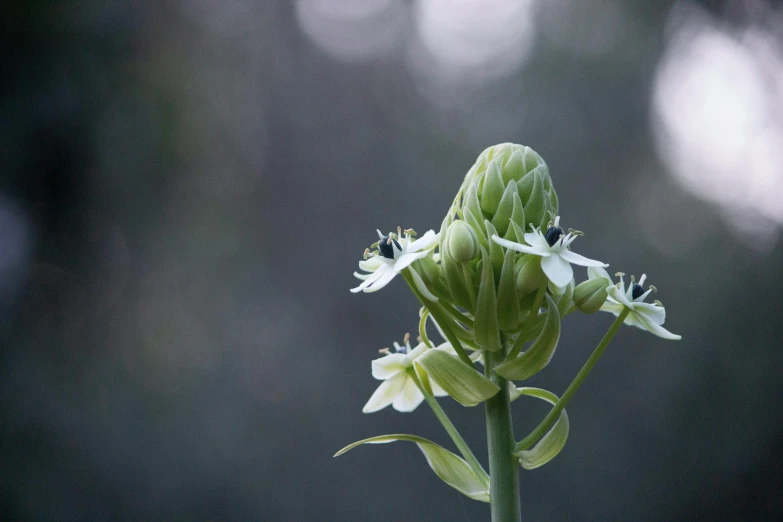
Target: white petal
[372, 278]
[386, 393]
[371, 264]
[618, 295]
[536, 239]
[651, 312]
[659, 330]
[388, 366]
[557, 270]
[597, 272]
[361, 276]
[576, 259]
[382, 281]
[420, 349]
[437, 391]
[421, 287]
[424, 242]
[410, 397]
[405, 260]
[518, 247]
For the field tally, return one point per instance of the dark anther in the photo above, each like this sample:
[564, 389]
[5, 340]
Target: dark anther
[384, 245]
[553, 234]
[637, 291]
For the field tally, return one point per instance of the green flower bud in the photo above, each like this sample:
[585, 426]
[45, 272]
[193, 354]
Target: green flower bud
[529, 275]
[508, 185]
[590, 295]
[461, 242]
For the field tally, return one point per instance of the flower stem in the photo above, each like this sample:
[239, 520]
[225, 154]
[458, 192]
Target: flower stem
[503, 470]
[554, 413]
[438, 312]
[462, 446]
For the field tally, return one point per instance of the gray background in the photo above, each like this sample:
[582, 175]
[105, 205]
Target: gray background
[186, 189]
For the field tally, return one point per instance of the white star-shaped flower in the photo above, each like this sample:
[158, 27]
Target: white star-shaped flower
[393, 255]
[552, 247]
[398, 387]
[647, 316]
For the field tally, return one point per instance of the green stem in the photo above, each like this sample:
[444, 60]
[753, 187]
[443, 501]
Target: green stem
[438, 313]
[462, 446]
[423, 328]
[554, 413]
[503, 470]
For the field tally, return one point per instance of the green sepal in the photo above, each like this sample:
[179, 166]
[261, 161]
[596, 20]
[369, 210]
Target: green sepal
[506, 206]
[540, 352]
[552, 442]
[533, 160]
[517, 221]
[486, 320]
[450, 468]
[462, 382]
[515, 167]
[508, 301]
[536, 206]
[492, 191]
[477, 226]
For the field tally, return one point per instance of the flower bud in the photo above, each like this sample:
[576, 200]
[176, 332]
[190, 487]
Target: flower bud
[529, 274]
[508, 185]
[461, 242]
[590, 295]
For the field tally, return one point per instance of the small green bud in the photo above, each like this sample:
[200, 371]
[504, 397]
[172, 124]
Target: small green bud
[590, 295]
[529, 274]
[461, 242]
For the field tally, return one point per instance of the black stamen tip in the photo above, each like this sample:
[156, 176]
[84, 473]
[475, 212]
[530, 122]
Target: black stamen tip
[553, 234]
[385, 247]
[637, 291]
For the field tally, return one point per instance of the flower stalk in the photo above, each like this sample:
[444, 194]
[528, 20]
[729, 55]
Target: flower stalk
[503, 468]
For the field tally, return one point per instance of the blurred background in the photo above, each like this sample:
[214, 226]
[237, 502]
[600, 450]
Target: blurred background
[187, 186]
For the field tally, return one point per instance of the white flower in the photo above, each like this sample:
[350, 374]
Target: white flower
[647, 316]
[393, 255]
[398, 387]
[552, 246]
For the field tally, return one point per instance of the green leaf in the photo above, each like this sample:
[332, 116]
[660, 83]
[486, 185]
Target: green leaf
[462, 382]
[450, 468]
[550, 444]
[486, 320]
[540, 352]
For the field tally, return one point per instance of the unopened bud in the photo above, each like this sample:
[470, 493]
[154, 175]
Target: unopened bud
[461, 242]
[590, 295]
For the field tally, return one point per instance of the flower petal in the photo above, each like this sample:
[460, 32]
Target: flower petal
[424, 242]
[388, 366]
[537, 240]
[359, 275]
[382, 281]
[373, 278]
[410, 397]
[612, 307]
[557, 270]
[371, 264]
[518, 247]
[642, 297]
[386, 393]
[405, 260]
[573, 257]
[651, 312]
[618, 295]
[658, 330]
